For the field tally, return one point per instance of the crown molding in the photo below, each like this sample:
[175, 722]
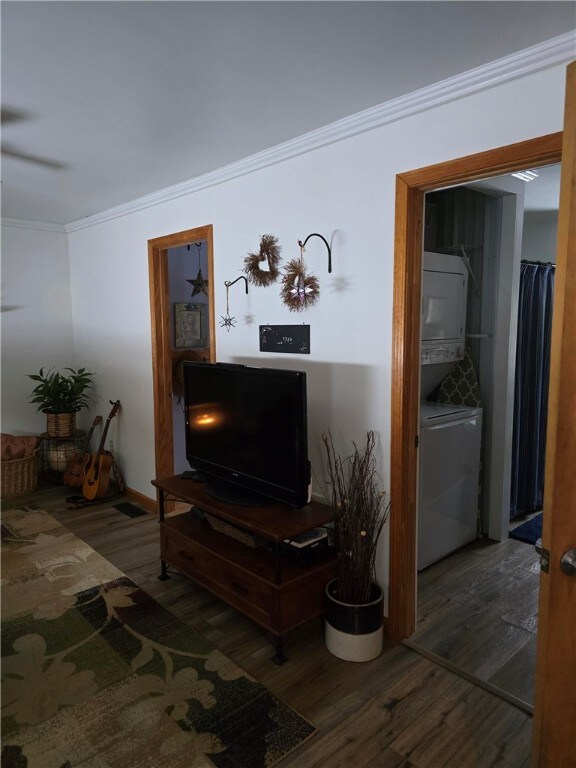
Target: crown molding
[44, 226]
[558, 50]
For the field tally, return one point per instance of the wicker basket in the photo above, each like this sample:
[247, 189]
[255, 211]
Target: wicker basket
[249, 539]
[61, 424]
[19, 476]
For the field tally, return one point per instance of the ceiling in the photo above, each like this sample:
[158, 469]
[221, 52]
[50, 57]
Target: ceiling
[104, 102]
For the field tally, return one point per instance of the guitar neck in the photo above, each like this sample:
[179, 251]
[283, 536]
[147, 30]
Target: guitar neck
[103, 438]
[89, 436]
[111, 415]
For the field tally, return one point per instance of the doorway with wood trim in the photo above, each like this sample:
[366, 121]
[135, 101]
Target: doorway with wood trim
[167, 352]
[555, 707]
[410, 190]
[477, 599]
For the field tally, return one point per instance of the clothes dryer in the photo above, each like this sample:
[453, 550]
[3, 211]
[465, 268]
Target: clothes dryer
[444, 300]
[449, 477]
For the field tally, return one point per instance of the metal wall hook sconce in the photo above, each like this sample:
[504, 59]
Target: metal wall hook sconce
[228, 321]
[315, 234]
[227, 283]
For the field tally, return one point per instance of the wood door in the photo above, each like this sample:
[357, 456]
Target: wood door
[554, 723]
[162, 354]
[555, 708]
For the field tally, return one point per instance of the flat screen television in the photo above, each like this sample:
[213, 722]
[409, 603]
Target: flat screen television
[246, 432]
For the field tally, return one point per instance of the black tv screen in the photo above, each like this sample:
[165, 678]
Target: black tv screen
[246, 430]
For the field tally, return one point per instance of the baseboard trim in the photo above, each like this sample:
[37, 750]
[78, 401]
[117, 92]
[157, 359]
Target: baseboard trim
[143, 501]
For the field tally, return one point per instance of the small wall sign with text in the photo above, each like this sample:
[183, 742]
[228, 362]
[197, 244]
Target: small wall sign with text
[285, 338]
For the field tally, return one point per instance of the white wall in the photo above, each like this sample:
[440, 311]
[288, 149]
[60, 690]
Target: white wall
[36, 318]
[539, 236]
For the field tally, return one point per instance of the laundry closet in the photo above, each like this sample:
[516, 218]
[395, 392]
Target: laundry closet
[470, 273]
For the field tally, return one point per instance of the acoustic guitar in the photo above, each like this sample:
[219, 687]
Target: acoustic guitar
[76, 470]
[97, 476]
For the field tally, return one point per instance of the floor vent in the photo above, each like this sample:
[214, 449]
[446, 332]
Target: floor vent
[129, 509]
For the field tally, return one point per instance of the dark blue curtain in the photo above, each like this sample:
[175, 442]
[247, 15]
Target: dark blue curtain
[531, 388]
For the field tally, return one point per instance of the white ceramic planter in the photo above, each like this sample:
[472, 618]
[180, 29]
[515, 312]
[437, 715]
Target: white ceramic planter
[354, 632]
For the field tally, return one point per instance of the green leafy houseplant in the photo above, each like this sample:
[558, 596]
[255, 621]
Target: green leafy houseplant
[360, 512]
[61, 393]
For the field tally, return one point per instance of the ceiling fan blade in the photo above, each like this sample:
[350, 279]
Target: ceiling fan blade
[9, 151]
[8, 115]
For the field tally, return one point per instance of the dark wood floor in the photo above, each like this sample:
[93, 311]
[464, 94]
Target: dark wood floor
[401, 710]
[478, 611]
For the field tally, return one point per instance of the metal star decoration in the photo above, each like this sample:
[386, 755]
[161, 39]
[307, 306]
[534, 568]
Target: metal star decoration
[301, 290]
[199, 285]
[228, 322]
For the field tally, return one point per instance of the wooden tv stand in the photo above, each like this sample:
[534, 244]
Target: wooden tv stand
[264, 583]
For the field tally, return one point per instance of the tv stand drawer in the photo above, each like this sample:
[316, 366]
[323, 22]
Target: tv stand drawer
[249, 594]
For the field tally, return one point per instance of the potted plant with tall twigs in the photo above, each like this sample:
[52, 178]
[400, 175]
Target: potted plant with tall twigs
[354, 599]
[60, 396]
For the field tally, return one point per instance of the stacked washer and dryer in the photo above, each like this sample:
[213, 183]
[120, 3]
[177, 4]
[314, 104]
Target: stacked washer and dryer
[450, 435]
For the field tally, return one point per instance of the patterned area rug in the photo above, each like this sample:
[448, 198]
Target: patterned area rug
[96, 674]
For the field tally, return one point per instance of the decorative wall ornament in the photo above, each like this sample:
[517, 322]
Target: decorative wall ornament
[299, 289]
[315, 234]
[228, 321]
[293, 339]
[190, 325]
[199, 284]
[269, 252]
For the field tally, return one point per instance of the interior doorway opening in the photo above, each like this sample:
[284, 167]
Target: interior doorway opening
[501, 234]
[410, 190]
[181, 274]
[467, 619]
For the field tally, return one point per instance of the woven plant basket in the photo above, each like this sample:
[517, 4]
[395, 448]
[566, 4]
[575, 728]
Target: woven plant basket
[19, 476]
[61, 424]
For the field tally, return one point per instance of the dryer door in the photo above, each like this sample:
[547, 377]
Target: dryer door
[443, 306]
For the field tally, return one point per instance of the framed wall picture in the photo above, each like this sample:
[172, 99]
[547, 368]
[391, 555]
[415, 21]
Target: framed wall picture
[190, 325]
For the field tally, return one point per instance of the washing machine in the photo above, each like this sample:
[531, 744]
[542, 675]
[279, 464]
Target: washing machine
[449, 478]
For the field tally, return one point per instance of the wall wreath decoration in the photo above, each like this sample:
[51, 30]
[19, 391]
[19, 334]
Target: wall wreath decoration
[269, 252]
[299, 289]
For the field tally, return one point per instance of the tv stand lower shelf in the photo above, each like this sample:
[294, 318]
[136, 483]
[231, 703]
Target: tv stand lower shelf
[264, 583]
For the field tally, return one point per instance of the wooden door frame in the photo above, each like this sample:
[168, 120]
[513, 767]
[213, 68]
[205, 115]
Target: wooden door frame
[410, 190]
[161, 317]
